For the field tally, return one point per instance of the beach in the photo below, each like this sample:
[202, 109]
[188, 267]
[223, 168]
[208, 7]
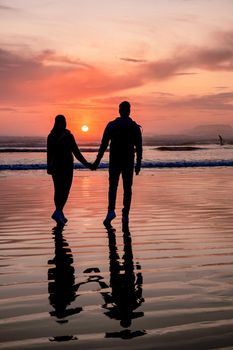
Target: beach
[172, 269]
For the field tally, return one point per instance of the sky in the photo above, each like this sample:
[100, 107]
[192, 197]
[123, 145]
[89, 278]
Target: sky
[171, 59]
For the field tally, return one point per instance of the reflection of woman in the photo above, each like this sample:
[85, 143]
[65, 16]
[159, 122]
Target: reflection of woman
[61, 277]
[61, 147]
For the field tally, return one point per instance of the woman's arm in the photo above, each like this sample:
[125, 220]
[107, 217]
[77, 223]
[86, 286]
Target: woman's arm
[76, 152]
[49, 157]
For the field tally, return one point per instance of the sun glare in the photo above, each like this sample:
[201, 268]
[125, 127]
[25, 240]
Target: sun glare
[84, 128]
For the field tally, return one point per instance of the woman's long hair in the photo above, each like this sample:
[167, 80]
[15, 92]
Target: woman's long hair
[59, 124]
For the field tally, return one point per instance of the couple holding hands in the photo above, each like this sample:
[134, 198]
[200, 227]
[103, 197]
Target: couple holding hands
[124, 136]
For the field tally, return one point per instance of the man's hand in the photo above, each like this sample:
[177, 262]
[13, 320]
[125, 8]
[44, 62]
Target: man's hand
[137, 169]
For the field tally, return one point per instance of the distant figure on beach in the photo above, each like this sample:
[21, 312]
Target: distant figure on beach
[124, 136]
[220, 140]
[61, 147]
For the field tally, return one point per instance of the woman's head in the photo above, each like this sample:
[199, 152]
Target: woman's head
[60, 123]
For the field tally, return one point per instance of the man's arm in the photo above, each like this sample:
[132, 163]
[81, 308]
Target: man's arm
[103, 146]
[138, 145]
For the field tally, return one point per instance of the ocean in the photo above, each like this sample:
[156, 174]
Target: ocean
[30, 153]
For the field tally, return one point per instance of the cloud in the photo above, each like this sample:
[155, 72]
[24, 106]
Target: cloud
[113, 101]
[51, 57]
[133, 60]
[221, 87]
[186, 73]
[160, 100]
[214, 102]
[217, 57]
[222, 101]
[48, 77]
[209, 59]
[7, 8]
[7, 109]
[162, 94]
[186, 18]
[4, 7]
[16, 66]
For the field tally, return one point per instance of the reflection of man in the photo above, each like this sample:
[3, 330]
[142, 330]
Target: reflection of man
[124, 135]
[126, 284]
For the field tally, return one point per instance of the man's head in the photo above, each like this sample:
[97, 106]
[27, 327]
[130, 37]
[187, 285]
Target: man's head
[124, 109]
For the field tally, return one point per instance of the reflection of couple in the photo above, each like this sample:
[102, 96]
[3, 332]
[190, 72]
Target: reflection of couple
[122, 297]
[123, 134]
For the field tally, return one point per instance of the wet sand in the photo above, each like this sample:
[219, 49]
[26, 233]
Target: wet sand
[167, 283]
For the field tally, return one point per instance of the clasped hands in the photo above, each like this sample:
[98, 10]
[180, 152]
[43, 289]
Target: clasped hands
[93, 166]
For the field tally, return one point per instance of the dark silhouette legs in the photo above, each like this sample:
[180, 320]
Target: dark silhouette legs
[114, 174]
[127, 177]
[62, 183]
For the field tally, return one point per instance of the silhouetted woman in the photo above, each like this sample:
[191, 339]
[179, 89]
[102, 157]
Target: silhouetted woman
[61, 147]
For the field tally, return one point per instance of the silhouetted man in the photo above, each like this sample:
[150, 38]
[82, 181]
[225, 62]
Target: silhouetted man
[124, 136]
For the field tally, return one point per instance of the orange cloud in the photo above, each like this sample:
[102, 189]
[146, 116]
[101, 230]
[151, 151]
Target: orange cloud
[39, 78]
[53, 78]
[51, 82]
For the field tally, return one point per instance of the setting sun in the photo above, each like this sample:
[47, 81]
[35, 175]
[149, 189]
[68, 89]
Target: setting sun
[84, 128]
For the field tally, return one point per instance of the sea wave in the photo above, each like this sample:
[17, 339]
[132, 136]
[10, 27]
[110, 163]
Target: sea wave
[40, 150]
[149, 165]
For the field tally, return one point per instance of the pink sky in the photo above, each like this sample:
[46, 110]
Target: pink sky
[172, 59]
